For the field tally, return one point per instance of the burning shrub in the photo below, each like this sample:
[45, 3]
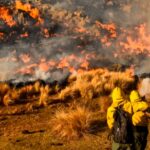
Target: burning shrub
[72, 124]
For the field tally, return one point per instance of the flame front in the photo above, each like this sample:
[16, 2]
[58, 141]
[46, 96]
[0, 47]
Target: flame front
[92, 42]
[6, 16]
[33, 12]
[139, 44]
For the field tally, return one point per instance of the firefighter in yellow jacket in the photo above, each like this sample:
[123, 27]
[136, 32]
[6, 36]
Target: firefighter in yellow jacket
[139, 120]
[118, 100]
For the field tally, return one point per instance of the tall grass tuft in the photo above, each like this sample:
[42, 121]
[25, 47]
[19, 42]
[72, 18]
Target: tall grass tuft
[72, 124]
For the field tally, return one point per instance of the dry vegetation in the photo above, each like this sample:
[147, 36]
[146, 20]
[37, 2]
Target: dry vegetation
[72, 123]
[79, 107]
[90, 90]
[87, 85]
[86, 99]
[96, 83]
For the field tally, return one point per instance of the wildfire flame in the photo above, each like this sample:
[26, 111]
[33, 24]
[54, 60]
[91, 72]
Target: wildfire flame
[6, 16]
[122, 41]
[33, 12]
[137, 45]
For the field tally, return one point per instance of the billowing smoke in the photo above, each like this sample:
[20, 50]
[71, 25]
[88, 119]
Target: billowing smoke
[144, 89]
[6, 70]
[76, 35]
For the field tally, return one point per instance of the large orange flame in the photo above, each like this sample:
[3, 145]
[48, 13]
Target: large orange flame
[6, 16]
[33, 12]
[137, 45]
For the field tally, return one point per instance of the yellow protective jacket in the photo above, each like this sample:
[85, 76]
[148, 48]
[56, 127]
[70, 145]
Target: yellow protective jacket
[139, 108]
[118, 100]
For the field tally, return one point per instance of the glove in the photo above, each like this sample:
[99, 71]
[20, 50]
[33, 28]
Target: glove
[137, 118]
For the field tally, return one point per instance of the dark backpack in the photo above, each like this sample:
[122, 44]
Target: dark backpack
[122, 129]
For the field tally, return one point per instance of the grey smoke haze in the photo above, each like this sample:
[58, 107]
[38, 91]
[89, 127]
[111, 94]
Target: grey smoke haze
[109, 10]
[144, 67]
[124, 13]
[7, 69]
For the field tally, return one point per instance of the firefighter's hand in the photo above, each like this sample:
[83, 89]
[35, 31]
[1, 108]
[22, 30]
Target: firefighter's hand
[137, 117]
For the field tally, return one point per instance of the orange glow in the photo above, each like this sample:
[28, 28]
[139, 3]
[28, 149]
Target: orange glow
[43, 65]
[24, 35]
[105, 41]
[66, 62]
[82, 62]
[6, 16]
[85, 64]
[1, 35]
[137, 45]
[63, 63]
[25, 58]
[130, 71]
[46, 33]
[27, 70]
[111, 33]
[109, 27]
[52, 63]
[33, 12]
[81, 30]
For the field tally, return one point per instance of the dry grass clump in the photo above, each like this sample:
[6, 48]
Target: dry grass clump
[104, 102]
[72, 78]
[85, 77]
[97, 83]
[73, 123]
[107, 81]
[4, 88]
[69, 92]
[11, 97]
[86, 90]
[44, 95]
